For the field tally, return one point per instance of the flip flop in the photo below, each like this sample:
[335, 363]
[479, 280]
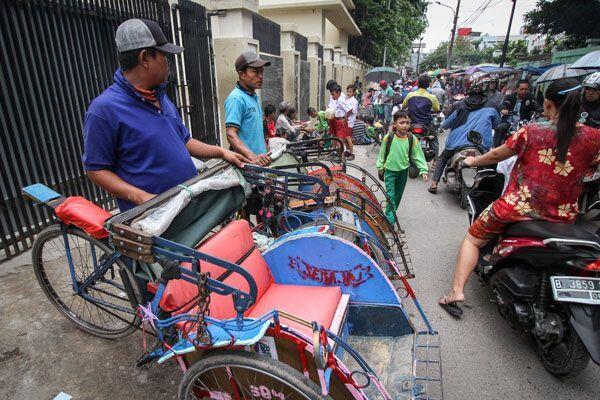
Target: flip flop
[432, 190]
[451, 308]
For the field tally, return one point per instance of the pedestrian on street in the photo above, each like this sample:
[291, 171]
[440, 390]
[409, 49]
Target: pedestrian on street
[387, 97]
[553, 157]
[243, 112]
[135, 143]
[399, 150]
[338, 125]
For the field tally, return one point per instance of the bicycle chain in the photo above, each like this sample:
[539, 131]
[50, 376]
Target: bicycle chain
[202, 335]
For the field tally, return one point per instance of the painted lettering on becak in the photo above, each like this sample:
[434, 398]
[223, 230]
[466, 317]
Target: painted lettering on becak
[352, 277]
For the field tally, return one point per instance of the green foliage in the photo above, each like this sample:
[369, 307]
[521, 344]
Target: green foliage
[465, 53]
[576, 19]
[397, 27]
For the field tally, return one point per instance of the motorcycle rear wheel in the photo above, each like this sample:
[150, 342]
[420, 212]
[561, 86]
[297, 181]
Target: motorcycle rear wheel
[575, 361]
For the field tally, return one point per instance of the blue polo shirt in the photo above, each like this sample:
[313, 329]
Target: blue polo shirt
[243, 111]
[142, 144]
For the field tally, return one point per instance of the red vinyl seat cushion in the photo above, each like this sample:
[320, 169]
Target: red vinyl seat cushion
[234, 243]
[311, 303]
[85, 215]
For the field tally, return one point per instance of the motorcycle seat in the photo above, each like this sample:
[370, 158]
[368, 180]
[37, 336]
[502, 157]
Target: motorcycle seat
[547, 230]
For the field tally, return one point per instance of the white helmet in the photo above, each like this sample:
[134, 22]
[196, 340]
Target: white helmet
[592, 81]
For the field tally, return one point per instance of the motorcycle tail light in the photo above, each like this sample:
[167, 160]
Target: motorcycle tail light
[417, 130]
[593, 267]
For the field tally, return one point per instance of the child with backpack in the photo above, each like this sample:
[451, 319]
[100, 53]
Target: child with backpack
[399, 151]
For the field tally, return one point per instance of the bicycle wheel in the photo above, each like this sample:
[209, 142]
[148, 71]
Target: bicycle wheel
[51, 267]
[240, 375]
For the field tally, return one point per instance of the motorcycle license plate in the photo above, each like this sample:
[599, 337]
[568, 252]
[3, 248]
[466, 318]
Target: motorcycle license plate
[574, 289]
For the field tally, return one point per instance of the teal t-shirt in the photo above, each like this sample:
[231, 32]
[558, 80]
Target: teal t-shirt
[243, 111]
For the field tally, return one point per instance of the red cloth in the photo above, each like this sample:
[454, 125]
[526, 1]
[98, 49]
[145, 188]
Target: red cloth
[270, 128]
[83, 214]
[339, 128]
[540, 187]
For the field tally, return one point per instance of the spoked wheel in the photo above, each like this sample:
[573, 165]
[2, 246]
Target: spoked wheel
[239, 375]
[51, 267]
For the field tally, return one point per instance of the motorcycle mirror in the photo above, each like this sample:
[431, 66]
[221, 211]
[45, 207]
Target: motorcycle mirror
[475, 137]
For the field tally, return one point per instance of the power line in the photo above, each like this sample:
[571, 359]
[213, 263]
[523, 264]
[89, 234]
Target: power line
[473, 17]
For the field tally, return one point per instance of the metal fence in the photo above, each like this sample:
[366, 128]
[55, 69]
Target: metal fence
[301, 45]
[268, 33]
[57, 55]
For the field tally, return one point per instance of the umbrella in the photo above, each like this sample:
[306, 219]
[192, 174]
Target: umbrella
[439, 71]
[590, 60]
[561, 71]
[377, 74]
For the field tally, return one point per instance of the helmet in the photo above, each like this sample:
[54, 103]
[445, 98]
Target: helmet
[476, 83]
[592, 81]
[383, 83]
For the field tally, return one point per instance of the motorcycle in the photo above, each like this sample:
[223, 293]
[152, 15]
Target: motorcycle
[457, 175]
[421, 132]
[545, 278]
[590, 197]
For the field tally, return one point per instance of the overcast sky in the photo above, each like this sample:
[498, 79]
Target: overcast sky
[493, 20]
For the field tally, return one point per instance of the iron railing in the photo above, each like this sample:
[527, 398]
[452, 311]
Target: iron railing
[58, 55]
[268, 33]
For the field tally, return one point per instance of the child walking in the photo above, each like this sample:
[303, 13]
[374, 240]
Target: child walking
[338, 125]
[399, 149]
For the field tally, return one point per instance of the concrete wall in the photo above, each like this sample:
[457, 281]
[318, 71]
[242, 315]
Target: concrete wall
[309, 22]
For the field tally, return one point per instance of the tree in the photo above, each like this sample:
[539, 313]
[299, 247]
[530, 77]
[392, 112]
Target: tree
[466, 53]
[397, 27]
[576, 19]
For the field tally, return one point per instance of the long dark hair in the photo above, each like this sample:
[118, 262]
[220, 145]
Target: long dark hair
[568, 103]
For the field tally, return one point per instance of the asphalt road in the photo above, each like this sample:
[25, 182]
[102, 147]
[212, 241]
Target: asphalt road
[483, 357]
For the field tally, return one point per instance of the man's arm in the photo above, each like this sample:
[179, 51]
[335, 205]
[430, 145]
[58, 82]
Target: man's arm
[116, 186]
[435, 105]
[199, 149]
[239, 147]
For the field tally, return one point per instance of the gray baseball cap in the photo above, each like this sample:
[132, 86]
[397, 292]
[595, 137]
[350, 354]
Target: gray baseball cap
[250, 59]
[136, 34]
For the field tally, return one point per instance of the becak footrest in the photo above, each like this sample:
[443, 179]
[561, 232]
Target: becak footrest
[85, 215]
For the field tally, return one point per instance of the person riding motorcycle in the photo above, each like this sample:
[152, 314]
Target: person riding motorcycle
[590, 106]
[421, 104]
[471, 114]
[553, 156]
[494, 96]
[521, 104]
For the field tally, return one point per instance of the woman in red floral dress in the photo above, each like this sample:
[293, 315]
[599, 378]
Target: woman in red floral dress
[546, 181]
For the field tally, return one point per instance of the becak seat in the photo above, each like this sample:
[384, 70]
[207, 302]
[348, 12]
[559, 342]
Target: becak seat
[85, 215]
[234, 243]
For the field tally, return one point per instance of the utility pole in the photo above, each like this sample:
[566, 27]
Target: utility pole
[451, 45]
[419, 55]
[385, 46]
[505, 47]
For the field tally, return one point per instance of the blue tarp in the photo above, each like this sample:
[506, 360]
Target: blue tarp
[538, 70]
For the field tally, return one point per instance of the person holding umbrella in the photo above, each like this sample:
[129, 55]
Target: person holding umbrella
[386, 96]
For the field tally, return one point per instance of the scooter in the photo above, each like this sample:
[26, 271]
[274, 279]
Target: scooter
[545, 278]
[425, 138]
[457, 175]
[590, 197]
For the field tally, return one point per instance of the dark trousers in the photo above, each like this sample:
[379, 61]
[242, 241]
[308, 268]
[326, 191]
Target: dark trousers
[441, 164]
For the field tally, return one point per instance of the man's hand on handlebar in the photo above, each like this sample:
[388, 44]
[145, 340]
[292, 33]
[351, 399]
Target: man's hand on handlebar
[468, 161]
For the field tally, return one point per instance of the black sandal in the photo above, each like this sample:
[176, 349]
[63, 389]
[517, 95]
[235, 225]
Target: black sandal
[432, 190]
[451, 308]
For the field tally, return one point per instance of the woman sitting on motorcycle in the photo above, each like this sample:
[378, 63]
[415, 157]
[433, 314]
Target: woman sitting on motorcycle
[552, 158]
[471, 114]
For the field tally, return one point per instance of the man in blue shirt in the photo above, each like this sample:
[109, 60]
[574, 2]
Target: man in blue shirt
[243, 113]
[135, 143]
[474, 113]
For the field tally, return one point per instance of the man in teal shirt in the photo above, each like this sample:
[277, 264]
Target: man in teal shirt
[243, 112]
